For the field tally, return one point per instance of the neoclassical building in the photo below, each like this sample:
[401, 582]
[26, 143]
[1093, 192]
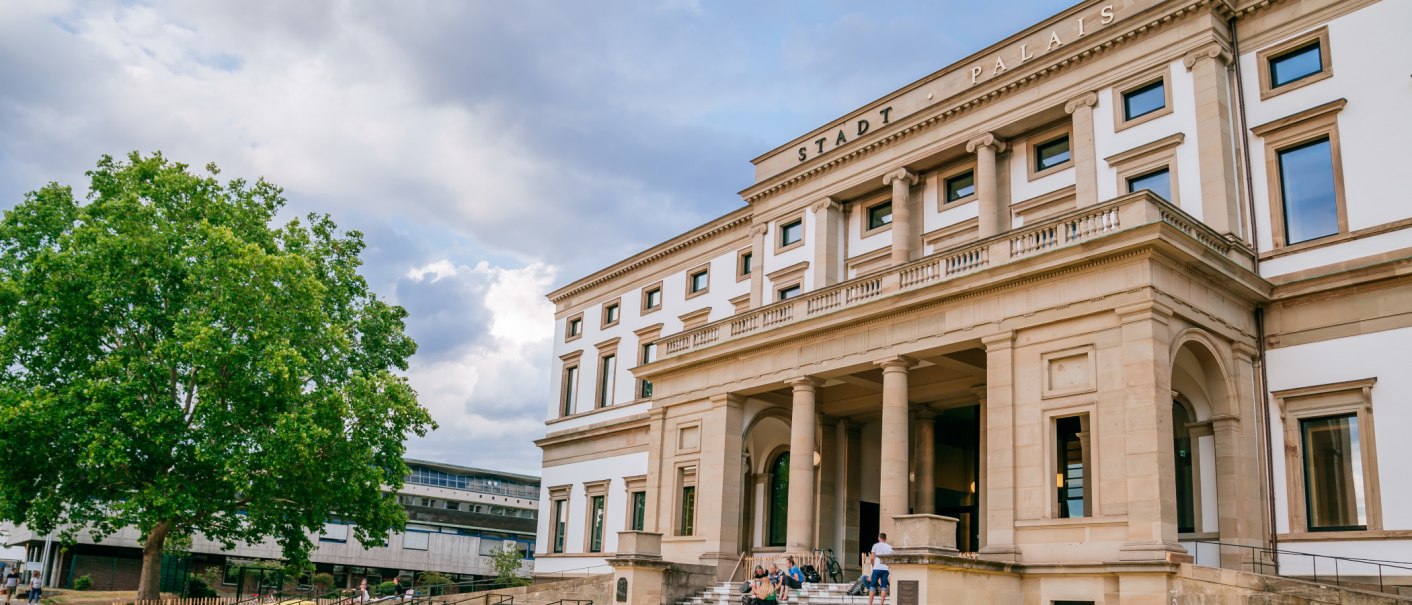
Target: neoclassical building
[1130, 287]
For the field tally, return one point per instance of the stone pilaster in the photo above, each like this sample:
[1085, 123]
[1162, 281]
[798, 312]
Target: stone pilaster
[993, 218]
[926, 463]
[799, 527]
[998, 484]
[1082, 147]
[828, 243]
[893, 484]
[902, 181]
[1214, 131]
[718, 510]
[757, 262]
[1147, 419]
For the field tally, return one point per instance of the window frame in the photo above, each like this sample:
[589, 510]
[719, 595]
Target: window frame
[593, 490]
[646, 292]
[1120, 92]
[1030, 150]
[779, 226]
[633, 486]
[1264, 56]
[742, 272]
[1146, 159]
[614, 307]
[867, 229]
[1287, 133]
[569, 334]
[606, 383]
[690, 280]
[946, 186]
[1086, 414]
[559, 518]
[685, 509]
[1324, 401]
[780, 290]
[568, 390]
[644, 386]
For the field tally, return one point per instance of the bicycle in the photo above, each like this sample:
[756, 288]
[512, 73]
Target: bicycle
[831, 566]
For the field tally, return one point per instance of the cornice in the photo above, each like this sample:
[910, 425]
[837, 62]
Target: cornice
[924, 120]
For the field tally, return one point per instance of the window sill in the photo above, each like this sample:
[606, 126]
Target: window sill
[1072, 522]
[1356, 534]
[1337, 239]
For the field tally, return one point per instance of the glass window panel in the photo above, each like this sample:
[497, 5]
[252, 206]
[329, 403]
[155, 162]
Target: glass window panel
[688, 511]
[1307, 185]
[790, 292]
[779, 500]
[1051, 153]
[561, 523]
[961, 186]
[791, 233]
[1144, 100]
[639, 511]
[1070, 474]
[654, 298]
[1295, 65]
[612, 314]
[746, 263]
[571, 383]
[575, 326]
[1186, 470]
[1159, 182]
[607, 369]
[595, 540]
[880, 215]
[700, 280]
[1333, 473]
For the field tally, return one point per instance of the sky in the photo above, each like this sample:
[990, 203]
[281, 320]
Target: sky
[489, 151]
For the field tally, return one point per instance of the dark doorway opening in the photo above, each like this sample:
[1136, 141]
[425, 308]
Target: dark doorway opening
[867, 526]
[958, 472]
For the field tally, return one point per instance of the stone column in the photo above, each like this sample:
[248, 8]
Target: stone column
[1081, 145]
[902, 181]
[848, 555]
[982, 483]
[828, 242]
[993, 219]
[1225, 429]
[1214, 133]
[998, 485]
[757, 265]
[926, 463]
[799, 527]
[892, 492]
[718, 510]
[1147, 420]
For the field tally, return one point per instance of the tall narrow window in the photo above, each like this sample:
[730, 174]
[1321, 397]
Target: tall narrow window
[1071, 473]
[571, 389]
[1308, 188]
[1182, 445]
[687, 526]
[561, 523]
[1333, 473]
[595, 523]
[779, 499]
[639, 511]
[607, 369]
[649, 355]
[1158, 182]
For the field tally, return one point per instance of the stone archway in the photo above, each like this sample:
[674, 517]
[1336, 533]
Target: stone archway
[1204, 399]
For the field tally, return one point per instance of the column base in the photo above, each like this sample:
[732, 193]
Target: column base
[1007, 553]
[1156, 550]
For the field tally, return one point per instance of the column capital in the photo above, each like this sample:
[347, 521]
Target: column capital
[805, 383]
[758, 230]
[900, 173]
[985, 139]
[981, 392]
[727, 399]
[1088, 99]
[828, 203]
[1225, 422]
[1003, 340]
[899, 363]
[927, 414]
[1211, 50]
[1244, 351]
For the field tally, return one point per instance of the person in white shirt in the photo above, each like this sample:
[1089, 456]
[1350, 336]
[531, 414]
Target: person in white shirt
[880, 571]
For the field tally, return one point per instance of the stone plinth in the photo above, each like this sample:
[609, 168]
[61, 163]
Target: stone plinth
[924, 535]
[639, 545]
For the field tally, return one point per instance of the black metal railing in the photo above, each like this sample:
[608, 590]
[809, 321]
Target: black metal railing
[1341, 570]
[572, 602]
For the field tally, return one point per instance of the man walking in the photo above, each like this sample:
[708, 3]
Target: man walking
[34, 587]
[880, 571]
[12, 583]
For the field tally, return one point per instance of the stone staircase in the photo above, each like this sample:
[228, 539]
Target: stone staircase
[728, 593]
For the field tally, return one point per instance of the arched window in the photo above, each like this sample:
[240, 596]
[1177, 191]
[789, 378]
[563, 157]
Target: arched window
[779, 499]
[1182, 445]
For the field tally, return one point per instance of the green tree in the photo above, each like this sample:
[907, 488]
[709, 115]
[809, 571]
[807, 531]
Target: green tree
[506, 561]
[174, 360]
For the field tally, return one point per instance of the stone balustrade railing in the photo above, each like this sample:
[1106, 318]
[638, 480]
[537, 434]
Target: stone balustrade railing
[1126, 212]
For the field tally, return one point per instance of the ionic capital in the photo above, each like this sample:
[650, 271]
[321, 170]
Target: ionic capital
[828, 203]
[1212, 50]
[758, 230]
[986, 140]
[900, 173]
[1088, 99]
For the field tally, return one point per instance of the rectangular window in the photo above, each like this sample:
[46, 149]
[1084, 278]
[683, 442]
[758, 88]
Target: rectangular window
[416, 540]
[1158, 182]
[687, 524]
[571, 388]
[595, 523]
[700, 281]
[1051, 153]
[649, 354]
[607, 368]
[610, 314]
[561, 523]
[652, 297]
[880, 215]
[639, 511]
[1333, 473]
[575, 327]
[790, 292]
[744, 264]
[791, 232]
[961, 186]
[1071, 472]
[1296, 64]
[1144, 100]
[1308, 191]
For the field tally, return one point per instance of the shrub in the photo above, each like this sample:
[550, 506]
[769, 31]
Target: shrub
[197, 588]
[434, 583]
[83, 583]
[385, 588]
[322, 581]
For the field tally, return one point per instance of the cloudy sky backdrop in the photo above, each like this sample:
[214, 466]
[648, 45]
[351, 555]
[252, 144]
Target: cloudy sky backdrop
[489, 150]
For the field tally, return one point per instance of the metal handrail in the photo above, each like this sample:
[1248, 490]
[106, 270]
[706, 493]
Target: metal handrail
[572, 602]
[1259, 563]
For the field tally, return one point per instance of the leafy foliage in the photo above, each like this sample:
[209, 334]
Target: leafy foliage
[83, 582]
[175, 361]
[506, 562]
[197, 588]
[386, 588]
[323, 581]
[433, 582]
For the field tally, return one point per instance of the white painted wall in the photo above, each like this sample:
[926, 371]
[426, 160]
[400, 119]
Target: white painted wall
[1108, 142]
[1022, 188]
[1373, 128]
[613, 468]
[775, 262]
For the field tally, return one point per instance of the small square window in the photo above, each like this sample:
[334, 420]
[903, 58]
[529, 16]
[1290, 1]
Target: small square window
[789, 292]
[700, 281]
[610, 314]
[744, 264]
[791, 233]
[1144, 100]
[961, 186]
[576, 326]
[1158, 182]
[1051, 153]
[1296, 64]
[880, 215]
[652, 298]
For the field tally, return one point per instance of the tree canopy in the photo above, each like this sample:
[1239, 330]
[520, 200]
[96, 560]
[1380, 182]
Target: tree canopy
[173, 359]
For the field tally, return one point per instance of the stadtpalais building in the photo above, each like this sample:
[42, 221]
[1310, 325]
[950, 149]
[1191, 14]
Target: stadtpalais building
[1115, 310]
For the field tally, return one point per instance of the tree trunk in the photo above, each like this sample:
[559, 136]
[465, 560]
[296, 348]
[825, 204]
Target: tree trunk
[149, 584]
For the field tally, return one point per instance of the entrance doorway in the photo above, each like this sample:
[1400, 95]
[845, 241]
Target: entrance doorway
[958, 473]
[867, 527]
